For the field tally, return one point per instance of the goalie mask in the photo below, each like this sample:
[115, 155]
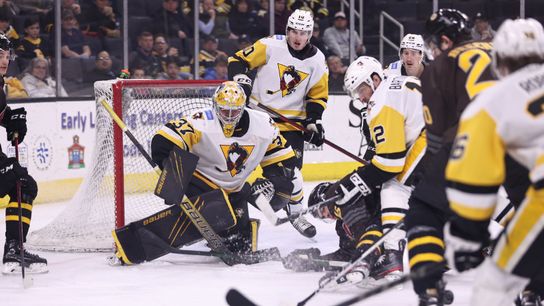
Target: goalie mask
[318, 195]
[229, 102]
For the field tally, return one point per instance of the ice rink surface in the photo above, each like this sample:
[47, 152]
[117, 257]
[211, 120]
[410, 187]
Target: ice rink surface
[87, 279]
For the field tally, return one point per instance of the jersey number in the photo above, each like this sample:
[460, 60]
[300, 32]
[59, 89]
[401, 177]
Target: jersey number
[183, 127]
[247, 51]
[378, 134]
[474, 62]
[536, 107]
[459, 146]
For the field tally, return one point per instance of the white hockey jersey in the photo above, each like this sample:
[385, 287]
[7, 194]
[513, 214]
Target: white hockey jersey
[395, 119]
[507, 118]
[226, 162]
[394, 69]
[283, 82]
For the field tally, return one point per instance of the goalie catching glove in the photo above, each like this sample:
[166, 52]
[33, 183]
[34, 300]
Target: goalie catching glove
[277, 190]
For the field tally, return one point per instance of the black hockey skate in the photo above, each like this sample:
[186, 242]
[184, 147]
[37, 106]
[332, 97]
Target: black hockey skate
[12, 260]
[389, 265]
[302, 225]
[528, 298]
[438, 296]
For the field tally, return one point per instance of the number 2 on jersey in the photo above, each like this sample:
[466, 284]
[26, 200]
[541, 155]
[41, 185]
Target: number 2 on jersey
[474, 62]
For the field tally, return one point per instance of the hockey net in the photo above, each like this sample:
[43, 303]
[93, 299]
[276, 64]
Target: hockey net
[118, 188]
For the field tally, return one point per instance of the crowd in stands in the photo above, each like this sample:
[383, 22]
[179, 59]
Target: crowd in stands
[161, 39]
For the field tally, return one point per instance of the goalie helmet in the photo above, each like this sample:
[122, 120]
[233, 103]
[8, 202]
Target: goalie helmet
[515, 39]
[449, 22]
[317, 196]
[229, 102]
[361, 71]
[301, 20]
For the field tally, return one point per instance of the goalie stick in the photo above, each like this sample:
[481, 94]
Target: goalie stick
[301, 128]
[176, 195]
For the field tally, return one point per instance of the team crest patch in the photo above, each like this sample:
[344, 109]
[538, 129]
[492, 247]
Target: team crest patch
[236, 156]
[290, 78]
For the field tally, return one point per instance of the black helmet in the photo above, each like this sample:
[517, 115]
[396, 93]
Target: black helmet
[317, 196]
[5, 44]
[449, 22]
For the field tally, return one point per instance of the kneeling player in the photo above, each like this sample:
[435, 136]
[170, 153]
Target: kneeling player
[231, 141]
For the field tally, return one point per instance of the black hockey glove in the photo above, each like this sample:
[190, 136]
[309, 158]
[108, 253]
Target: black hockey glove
[352, 188]
[15, 121]
[315, 134]
[10, 172]
[246, 84]
[462, 254]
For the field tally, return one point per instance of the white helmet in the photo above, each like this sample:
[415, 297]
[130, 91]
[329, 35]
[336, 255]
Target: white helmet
[301, 20]
[516, 39]
[412, 41]
[361, 71]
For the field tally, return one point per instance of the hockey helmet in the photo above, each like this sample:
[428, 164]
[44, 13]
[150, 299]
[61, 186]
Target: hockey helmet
[361, 71]
[301, 20]
[5, 43]
[317, 196]
[229, 102]
[449, 22]
[412, 41]
[515, 39]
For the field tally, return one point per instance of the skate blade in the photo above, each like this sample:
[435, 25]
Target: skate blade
[14, 268]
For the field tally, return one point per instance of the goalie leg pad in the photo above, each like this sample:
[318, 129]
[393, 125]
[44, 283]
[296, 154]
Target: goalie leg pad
[173, 226]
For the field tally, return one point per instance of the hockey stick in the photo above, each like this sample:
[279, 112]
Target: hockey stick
[176, 195]
[420, 273]
[301, 128]
[504, 212]
[349, 267]
[235, 298]
[27, 281]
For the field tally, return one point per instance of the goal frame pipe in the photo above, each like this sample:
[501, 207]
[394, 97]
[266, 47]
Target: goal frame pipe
[118, 143]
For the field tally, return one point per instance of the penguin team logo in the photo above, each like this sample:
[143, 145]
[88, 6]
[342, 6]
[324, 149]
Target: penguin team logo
[290, 78]
[236, 156]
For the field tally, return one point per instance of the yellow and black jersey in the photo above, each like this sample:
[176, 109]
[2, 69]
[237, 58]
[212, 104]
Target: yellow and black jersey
[31, 48]
[506, 119]
[225, 162]
[395, 119]
[294, 83]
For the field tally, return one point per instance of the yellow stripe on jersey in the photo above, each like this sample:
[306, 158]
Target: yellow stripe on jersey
[387, 129]
[472, 205]
[522, 231]
[477, 156]
[319, 93]
[254, 55]
[415, 154]
[277, 157]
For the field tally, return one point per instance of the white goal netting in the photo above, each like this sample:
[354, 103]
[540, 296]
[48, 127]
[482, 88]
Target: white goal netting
[88, 219]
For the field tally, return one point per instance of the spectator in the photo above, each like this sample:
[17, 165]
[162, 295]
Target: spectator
[337, 70]
[222, 27]
[262, 20]
[8, 29]
[32, 45]
[14, 88]
[138, 73]
[144, 57]
[206, 18]
[243, 42]
[38, 82]
[173, 72]
[337, 38]
[9, 8]
[281, 14]
[209, 52]
[102, 69]
[482, 29]
[171, 21]
[219, 71]
[100, 19]
[74, 44]
[317, 41]
[65, 5]
[242, 19]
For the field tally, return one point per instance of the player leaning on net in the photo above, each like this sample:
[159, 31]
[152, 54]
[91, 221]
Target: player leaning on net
[14, 121]
[507, 119]
[231, 141]
[411, 53]
[291, 78]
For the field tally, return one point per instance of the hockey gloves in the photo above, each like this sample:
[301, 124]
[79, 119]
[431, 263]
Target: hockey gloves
[277, 190]
[352, 188]
[246, 83]
[10, 172]
[461, 253]
[15, 121]
[315, 133]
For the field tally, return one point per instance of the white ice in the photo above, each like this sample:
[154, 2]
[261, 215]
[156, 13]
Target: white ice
[87, 279]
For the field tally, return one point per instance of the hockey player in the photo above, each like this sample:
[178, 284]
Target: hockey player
[291, 78]
[507, 119]
[449, 83]
[14, 121]
[231, 141]
[411, 53]
[396, 126]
